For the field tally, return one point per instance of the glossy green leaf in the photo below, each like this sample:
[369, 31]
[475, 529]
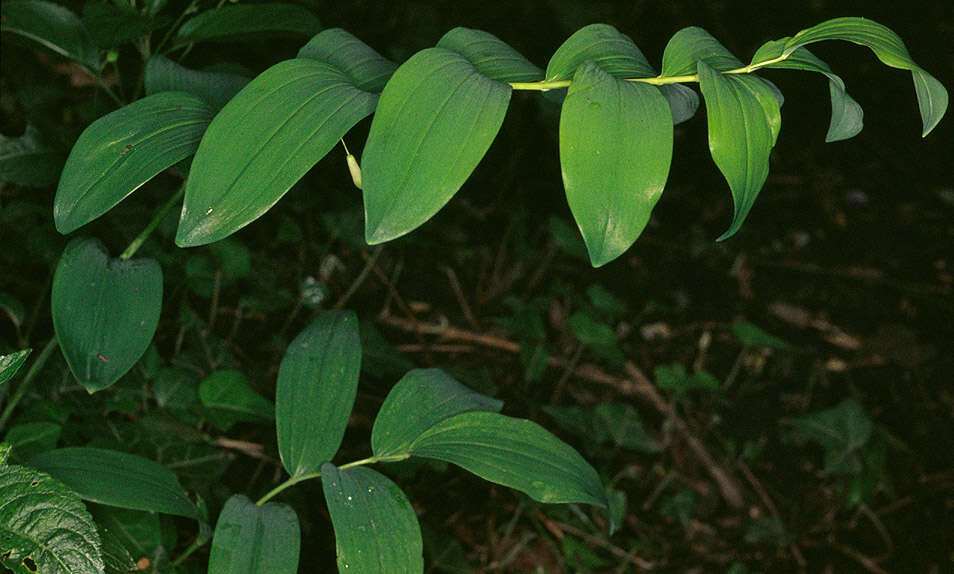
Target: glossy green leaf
[122, 150]
[250, 538]
[262, 142]
[26, 160]
[683, 101]
[601, 44]
[317, 383]
[421, 399]
[52, 26]
[490, 55]
[10, 364]
[214, 88]
[436, 119]
[117, 479]
[513, 452]
[105, 311]
[113, 24]
[376, 529]
[744, 120]
[44, 526]
[615, 151]
[229, 400]
[691, 45]
[846, 114]
[237, 22]
[368, 70]
[888, 47]
[30, 439]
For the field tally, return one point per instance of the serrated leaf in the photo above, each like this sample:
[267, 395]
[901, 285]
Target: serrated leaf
[214, 88]
[615, 151]
[317, 384]
[421, 399]
[26, 160]
[603, 45]
[744, 121]
[490, 55]
[890, 49]
[691, 45]
[376, 529]
[113, 24]
[117, 479]
[237, 22]
[122, 150]
[44, 526]
[368, 70]
[436, 119]
[841, 430]
[105, 311]
[29, 439]
[846, 114]
[262, 142]
[513, 452]
[10, 364]
[229, 399]
[51, 26]
[250, 538]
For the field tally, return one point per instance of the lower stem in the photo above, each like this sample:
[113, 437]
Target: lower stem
[21, 391]
[156, 220]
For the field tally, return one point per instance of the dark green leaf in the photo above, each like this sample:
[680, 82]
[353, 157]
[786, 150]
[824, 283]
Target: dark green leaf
[675, 378]
[13, 309]
[436, 119]
[229, 399]
[421, 399]
[596, 335]
[26, 160]
[683, 101]
[237, 22]
[490, 55]
[691, 45]
[121, 151]
[615, 150]
[116, 558]
[604, 45]
[262, 142]
[105, 311]
[744, 121]
[605, 302]
[841, 430]
[513, 452]
[752, 336]
[137, 530]
[117, 479]
[52, 26]
[44, 526]
[175, 388]
[317, 383]
[32, 438]
[113, 24]
[10, 364]
[368, 70]
[251, 539]
[214, 88]
[375, 526]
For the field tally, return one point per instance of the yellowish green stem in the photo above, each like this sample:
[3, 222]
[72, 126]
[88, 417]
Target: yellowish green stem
[292, 481]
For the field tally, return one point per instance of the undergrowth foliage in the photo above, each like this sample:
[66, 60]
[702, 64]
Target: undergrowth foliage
[250, 141]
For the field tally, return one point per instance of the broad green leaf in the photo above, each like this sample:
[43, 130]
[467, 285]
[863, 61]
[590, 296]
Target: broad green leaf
[105, 311]
[317, 383]
[10, 364]
[138, 531]
[846, 114]
[214, 88]
[841, 430]
[113, 24]
[251, 538]
[44, 527]
[117, 479]
[238, 22]
[436, 119]
[752, 336]
[122, 150]
[421, 399]
[116, 559]
[52, 26]
[683, 101]
[603, 45]
[368, 70]
[229, 399]
[513, 452]
[490, 55]
[691, 45]
[29, 439]
[888, 47]
[376, 529]
[615, 150]
[744, 120]
[262, 142]
[26, 160]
